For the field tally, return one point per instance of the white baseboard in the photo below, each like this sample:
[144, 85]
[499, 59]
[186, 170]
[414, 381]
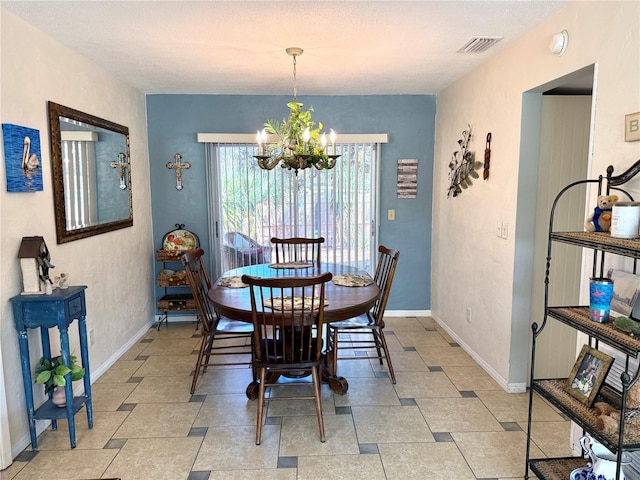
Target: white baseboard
[407, 313]
[508, 387]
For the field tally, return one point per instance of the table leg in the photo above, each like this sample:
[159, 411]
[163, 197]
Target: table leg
[66, 359]
[28, 389]
[84, 354]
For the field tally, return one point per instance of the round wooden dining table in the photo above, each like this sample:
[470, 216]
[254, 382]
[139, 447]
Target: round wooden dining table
[344, 302]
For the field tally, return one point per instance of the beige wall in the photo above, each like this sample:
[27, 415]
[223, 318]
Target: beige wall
[117, 266]
[479, 274]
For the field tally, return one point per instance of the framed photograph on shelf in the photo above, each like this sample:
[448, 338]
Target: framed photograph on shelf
[588, 373]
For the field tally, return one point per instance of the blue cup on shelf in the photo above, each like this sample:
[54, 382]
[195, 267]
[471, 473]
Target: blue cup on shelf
[600, 295]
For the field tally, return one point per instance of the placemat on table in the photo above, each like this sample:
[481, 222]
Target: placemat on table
[291, 265]
[352, 280]
[295, 303]
[232, 282]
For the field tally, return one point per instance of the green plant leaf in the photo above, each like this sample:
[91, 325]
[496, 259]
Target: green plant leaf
[43, 376]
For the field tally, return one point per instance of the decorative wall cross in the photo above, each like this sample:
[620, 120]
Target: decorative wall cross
[121, 165]
[177, 165]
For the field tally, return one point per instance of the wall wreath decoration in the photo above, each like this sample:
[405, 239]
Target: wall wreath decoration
[462, 168]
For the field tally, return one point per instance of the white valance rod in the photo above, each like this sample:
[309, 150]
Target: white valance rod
[251, 138]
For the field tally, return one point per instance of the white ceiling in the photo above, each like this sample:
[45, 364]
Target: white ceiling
[238, 47]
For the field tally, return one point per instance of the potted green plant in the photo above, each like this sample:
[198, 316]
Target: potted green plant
[51, 372]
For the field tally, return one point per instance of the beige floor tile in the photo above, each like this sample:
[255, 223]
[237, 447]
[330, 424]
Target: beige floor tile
[458, 415]
[514, 407]
[403, 324]
[159, 420]
[107, 397]
[419, 461]
[341, 467]
[421, 339]
[173, 389]
[120, 372]
[234, 448]
[226, 410]
[495, 454]
[13, 470]
[402, 362]
[264, 474]
[392, 342]
[424, 385]
[167, 365]
[172, 346]
[355, 368]
[471, 378]
[553, 438]
[155, 458]
[368, 391]
[104, 426]
[174, 330]
[70, 464]
[444, 334]
[445, 357]
[134, 351]
[282, 408]
[390, 425]
[428, 322]
[219, 381]
[300, 436]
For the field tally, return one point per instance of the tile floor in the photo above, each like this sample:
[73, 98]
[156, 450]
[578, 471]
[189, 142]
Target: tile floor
[444, 419]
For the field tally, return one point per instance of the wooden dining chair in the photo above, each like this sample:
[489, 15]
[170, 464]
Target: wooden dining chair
[234, 338]
[298, 249]
[366, 332]
[288, 317]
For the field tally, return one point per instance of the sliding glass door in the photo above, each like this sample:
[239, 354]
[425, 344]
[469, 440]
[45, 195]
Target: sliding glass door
[249, 205]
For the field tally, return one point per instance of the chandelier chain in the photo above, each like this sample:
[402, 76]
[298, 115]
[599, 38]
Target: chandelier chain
[295, 80]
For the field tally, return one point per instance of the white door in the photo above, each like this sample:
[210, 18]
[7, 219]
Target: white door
[564, 153]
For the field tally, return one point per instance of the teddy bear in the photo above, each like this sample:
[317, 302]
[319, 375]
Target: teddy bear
[600, 220]
[608, 417]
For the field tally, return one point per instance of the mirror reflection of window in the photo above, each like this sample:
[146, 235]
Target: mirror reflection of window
[79, 174]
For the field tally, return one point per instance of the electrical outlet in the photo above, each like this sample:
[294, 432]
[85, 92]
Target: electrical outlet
[468, 314]
[391, 215]
[91, 337]
[499, 229]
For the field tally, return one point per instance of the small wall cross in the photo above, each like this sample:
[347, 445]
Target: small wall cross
[178, 166]
[121, 165]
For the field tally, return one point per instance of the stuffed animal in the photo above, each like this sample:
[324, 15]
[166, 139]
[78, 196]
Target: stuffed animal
[608, 418]
[600, 220]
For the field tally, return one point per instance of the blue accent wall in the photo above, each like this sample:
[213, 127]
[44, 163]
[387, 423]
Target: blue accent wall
[174, 121]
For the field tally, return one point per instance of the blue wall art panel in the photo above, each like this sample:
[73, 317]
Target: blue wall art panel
[22, 158]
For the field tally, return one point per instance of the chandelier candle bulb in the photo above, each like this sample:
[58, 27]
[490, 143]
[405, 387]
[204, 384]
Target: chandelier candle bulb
[332, 136]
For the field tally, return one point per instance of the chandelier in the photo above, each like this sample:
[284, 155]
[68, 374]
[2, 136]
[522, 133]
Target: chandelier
[300, 144]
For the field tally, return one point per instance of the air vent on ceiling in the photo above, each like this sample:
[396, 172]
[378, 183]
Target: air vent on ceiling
[479, 44]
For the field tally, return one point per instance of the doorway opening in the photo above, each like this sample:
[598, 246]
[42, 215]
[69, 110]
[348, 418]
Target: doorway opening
[555, 149]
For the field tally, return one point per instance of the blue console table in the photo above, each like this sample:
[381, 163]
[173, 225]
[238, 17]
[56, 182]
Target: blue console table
[59, 310]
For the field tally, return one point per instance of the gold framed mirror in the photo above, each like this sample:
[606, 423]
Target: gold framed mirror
[91, 174]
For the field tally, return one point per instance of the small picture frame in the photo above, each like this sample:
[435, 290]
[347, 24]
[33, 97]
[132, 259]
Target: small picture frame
[588, 374]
